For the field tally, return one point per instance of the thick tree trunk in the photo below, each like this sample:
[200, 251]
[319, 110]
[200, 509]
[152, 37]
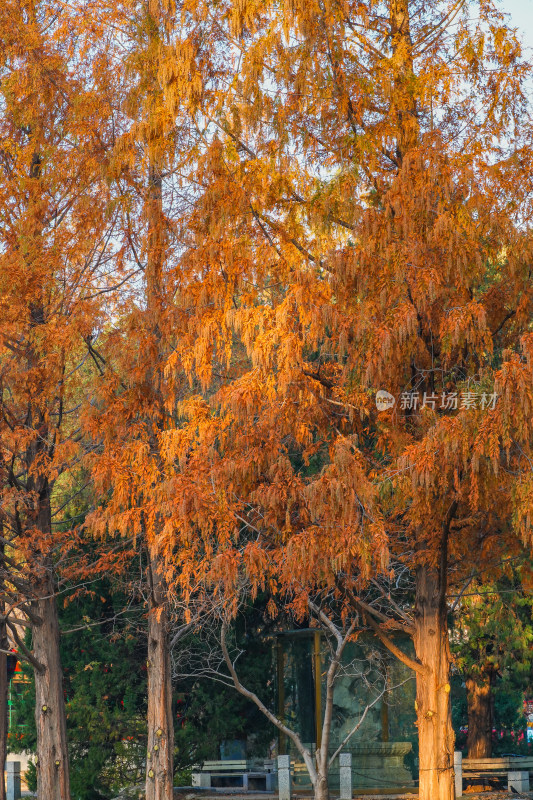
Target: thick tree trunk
[433, 707]
[53, 781]
[50, 715]
[479, 701]
[160, 753]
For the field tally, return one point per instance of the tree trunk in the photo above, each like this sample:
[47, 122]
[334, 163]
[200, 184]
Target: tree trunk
[50, 715]
[321, 783]
[160, 753]
[433, 707]
[53, 781]
[321, 787]
[479, 701]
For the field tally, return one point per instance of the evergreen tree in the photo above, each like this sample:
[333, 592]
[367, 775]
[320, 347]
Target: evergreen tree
[491, 639]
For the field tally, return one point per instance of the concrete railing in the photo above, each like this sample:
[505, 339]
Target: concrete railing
[285, 778]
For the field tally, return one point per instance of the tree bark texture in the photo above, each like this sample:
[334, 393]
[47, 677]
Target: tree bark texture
[480, 716]
[321, 787]
[53, 782]
[160, 752]
[50, 714]
[433, 706]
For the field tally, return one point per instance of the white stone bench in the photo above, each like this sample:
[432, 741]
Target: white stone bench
[515, 768]
[238, 774]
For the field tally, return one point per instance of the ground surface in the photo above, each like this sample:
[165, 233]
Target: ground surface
[188, 794]
[480, 796]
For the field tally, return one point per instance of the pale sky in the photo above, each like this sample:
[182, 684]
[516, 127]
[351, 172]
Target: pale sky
[522, 17]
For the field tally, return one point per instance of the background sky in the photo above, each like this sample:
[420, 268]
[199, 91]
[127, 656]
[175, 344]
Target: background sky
[521, 12]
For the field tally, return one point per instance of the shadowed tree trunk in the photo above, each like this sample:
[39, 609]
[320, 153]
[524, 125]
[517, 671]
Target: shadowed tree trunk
[480, 715]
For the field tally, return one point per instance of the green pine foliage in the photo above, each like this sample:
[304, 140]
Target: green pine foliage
[104, 668]
[103, 652]
[492, 634]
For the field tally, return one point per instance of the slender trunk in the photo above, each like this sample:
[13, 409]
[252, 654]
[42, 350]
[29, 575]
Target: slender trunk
[50, 716]
[433, 706]
[322, 787]
[479, 701]
[159, 763]
[160, 752]
[321, 783]
[403, 108]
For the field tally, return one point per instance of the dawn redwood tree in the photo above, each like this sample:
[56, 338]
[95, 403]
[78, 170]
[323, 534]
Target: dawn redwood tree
[53, 273]
[160, 746]
[136, 398]
[363, 225]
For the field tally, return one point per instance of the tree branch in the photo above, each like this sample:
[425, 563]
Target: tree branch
[367, 612]
[304, 752]
[27, 654]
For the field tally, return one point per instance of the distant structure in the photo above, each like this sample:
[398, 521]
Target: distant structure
[386, 737]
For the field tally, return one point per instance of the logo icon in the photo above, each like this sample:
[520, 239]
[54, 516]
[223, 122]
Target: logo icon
[384, 400]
